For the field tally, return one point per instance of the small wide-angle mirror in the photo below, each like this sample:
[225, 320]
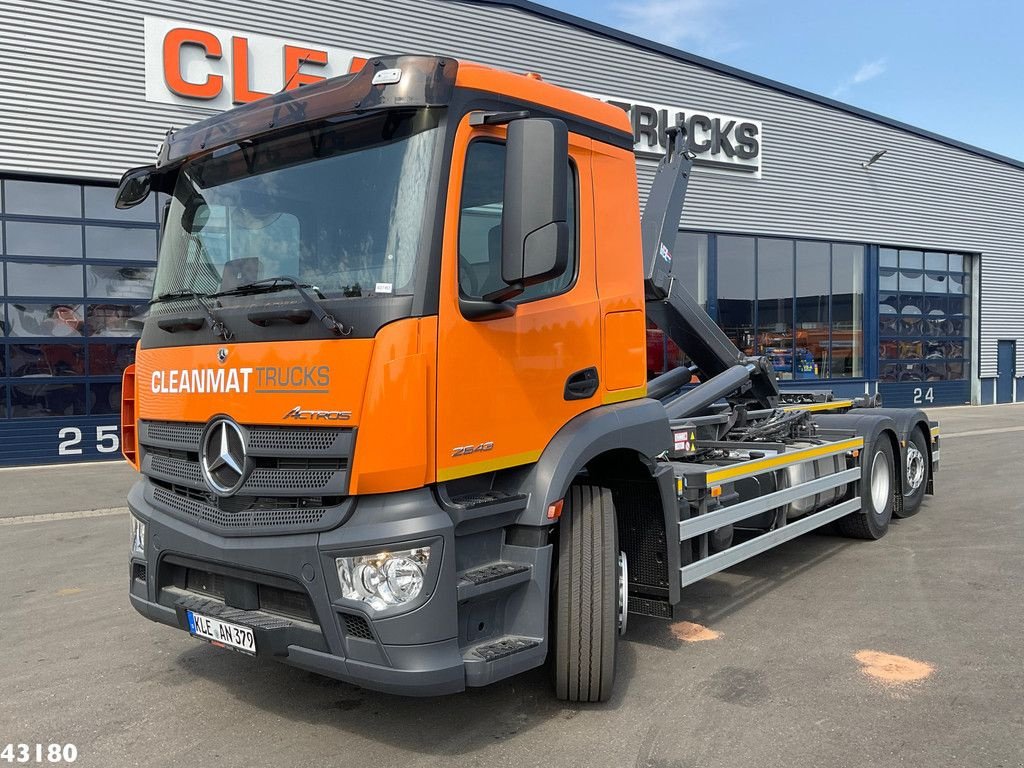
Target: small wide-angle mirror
[134, 187]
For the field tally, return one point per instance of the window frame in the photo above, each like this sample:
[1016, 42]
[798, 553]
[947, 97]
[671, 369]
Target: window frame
[574, 255]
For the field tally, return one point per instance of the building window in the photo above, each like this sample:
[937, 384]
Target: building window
[75, 276]
[923, 315]
[799, 302]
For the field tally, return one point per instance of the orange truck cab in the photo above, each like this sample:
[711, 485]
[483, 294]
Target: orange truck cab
[390, 405]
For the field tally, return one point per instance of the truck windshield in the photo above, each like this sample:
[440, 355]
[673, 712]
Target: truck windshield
[336, 206]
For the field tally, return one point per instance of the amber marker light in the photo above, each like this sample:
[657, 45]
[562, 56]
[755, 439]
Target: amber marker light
[555, 509]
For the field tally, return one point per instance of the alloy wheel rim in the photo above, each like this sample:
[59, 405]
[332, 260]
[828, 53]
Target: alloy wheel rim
[915, 467]
[881, 486]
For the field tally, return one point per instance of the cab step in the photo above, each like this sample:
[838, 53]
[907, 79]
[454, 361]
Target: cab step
[492, 577]
[484, 510]
[501, 648]
[502, 657]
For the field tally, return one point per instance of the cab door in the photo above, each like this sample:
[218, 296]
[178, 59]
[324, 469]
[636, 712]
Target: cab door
[507, 384]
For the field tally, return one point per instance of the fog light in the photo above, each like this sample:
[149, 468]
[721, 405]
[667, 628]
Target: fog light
[383, 580]
[138, 530]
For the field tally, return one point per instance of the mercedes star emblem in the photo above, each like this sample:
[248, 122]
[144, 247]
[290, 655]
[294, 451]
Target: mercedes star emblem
[222, 354]
[224, 462]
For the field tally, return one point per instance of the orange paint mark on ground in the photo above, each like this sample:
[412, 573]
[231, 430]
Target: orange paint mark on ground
[68, 591]
[690, 632]
[891, 669]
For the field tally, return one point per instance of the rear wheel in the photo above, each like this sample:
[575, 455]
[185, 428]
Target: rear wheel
[876, 491]
[587, 596]
[915, 478]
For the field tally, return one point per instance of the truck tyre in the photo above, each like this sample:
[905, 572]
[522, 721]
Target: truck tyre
[586, 606]
[915, 478]
[876, 492]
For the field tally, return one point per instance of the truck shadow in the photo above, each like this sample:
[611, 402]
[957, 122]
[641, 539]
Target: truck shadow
[345, 715]
[715, 598]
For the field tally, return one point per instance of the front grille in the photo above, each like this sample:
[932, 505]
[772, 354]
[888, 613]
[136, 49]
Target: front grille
[298, 482]
[283, 439]
[291, 603]
[180, 500]
[285, 602]
[184, 435]
[203, 581]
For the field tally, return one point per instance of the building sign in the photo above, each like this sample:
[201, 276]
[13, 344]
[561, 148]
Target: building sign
[201, 66]
[719, 141]
[197, 65]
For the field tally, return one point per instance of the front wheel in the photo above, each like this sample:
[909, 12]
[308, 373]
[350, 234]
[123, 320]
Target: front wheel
[876, 492]
[587, 595]
[915, 478]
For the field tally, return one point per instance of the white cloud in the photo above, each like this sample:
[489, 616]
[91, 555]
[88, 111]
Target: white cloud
[693, 24]
[867, 71]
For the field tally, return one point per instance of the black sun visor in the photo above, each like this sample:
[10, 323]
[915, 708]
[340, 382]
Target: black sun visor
[384, 82]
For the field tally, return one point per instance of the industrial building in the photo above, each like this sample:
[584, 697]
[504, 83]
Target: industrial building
[859, 253]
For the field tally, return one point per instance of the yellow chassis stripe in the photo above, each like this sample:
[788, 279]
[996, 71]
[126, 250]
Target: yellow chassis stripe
[774, 462]
[620, 395]
[489, 465]
[831, 406]
[935, 431]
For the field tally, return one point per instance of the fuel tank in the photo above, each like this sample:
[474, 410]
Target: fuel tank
[812, 470]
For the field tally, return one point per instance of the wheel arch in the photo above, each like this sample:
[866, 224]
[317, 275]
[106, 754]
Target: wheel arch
[632, 434]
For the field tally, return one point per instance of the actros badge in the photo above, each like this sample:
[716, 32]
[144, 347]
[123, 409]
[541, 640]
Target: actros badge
[299, 414]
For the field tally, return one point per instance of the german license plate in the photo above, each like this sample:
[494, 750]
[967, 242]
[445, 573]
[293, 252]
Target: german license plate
[221, 633]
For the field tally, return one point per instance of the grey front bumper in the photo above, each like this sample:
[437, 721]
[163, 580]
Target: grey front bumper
[413, 650]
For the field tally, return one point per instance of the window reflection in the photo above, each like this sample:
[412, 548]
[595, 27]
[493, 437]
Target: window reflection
[110, 359]
[115, 319]
[47, 360]
[34, 238]
[104, 398]
[38, 198]
[43, 279]
[119, 282]
[33, 400]
[59, 320]
[923, 321]
[813, 276]
[913, 260]
[775, 309]
[690, 264]
[736, 290]
[935, 283]
[99, 204]
[911, 280]
[133, 244]
[847, 353]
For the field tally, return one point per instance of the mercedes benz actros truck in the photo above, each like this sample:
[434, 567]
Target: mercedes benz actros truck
[390, 405]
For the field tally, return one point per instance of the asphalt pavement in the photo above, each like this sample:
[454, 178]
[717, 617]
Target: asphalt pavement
[781, 661]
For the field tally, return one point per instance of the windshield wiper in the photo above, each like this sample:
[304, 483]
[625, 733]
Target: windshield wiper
[285, 283]
[172, 324]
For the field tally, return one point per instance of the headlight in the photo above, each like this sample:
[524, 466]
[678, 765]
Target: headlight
[138, 536]
[383, 580]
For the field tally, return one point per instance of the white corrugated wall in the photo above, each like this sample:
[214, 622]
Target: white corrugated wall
[72, 102]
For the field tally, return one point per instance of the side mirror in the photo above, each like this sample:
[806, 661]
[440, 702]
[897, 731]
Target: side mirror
[534, 226]
[134, 187]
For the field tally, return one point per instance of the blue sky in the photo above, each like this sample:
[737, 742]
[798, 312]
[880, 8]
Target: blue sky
[954, 68]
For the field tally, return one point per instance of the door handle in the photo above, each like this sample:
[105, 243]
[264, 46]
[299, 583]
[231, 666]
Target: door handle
[582, 384]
